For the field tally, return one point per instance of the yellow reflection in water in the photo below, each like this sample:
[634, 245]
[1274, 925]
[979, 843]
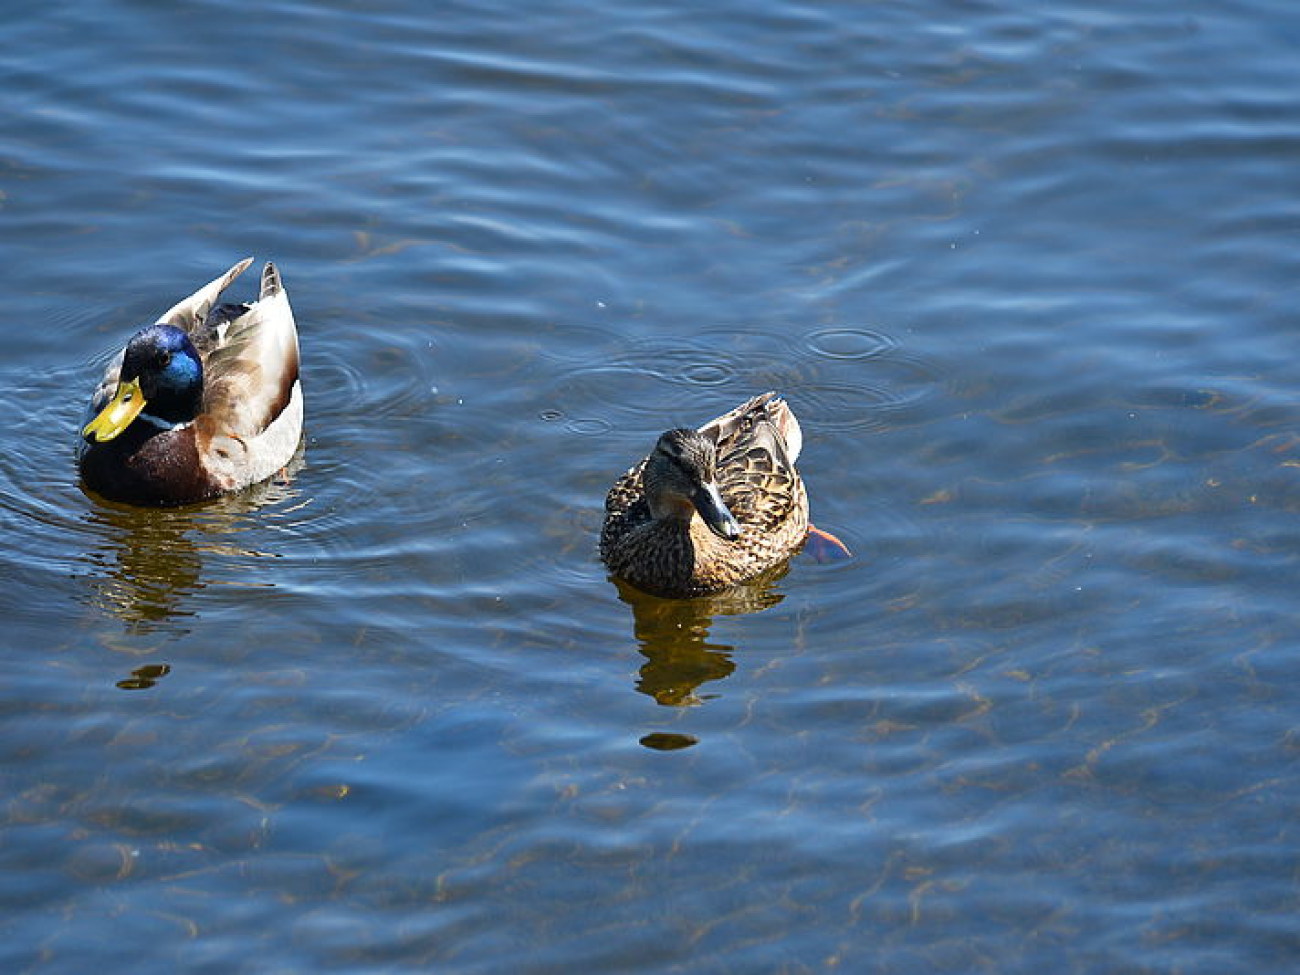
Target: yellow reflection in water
[673, 635]
[149, 562]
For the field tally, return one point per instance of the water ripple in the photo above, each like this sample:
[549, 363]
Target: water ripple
[840, 379]
[1026, 276]
[851, 343]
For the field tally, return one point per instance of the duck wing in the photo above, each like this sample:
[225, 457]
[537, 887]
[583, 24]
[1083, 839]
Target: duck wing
[252, 373]
[758, 443]
[191, 313]
[768, 412]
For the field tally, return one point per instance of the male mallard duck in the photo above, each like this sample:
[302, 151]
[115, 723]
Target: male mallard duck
[204, 401]
[710, 508]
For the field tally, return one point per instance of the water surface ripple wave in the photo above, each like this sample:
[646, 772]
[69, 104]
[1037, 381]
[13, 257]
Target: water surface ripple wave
[1028, 276]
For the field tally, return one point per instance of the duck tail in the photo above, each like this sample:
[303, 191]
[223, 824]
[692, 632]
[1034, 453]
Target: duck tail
[783, 418]
[271, 284]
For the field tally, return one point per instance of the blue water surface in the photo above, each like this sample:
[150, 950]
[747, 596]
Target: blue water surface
[1027, 274]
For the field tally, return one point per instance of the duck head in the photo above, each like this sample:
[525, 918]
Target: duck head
[681, 477]
[161, 382]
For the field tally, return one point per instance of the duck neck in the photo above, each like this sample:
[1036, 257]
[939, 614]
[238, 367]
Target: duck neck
[171, 407]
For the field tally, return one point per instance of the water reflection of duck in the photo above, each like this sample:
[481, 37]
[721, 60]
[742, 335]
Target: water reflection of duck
[203, 402]
[711, 508]
[673, 636]
[148, 565]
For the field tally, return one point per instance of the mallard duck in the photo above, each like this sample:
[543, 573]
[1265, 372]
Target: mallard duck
[711, 508]
[204, 401]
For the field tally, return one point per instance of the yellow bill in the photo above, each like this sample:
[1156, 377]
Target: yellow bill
[125, 406]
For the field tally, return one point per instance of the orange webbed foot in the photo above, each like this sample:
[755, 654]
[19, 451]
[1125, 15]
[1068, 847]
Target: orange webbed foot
[825, 547]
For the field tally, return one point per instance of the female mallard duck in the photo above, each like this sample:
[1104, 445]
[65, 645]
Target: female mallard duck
[710, 508]
[204, 401]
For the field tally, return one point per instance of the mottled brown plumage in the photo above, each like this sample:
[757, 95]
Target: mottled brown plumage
[658, 516]
[247, 424]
